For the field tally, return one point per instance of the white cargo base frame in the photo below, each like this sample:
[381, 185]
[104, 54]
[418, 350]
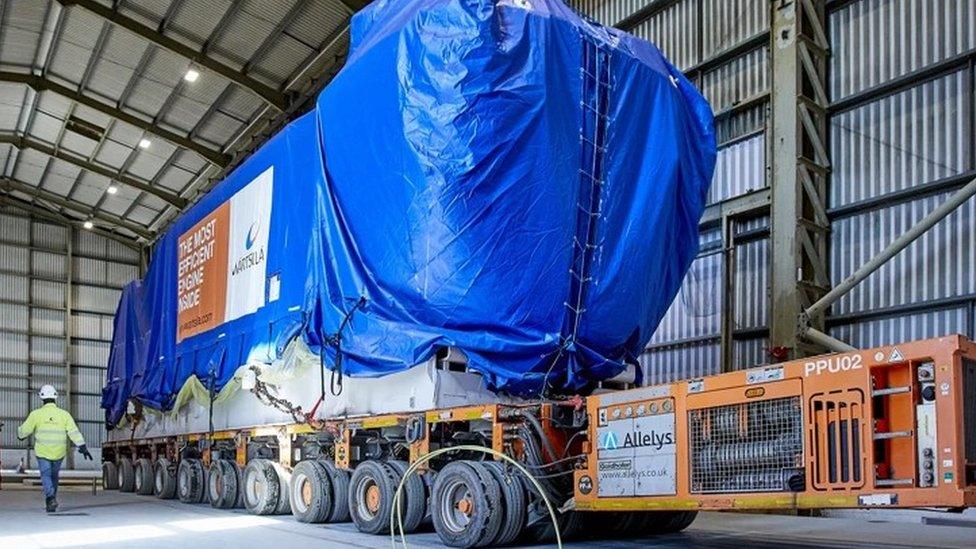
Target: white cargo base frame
[421, 388]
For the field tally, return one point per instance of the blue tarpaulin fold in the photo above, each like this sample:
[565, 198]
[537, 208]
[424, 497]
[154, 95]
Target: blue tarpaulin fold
[503, 177]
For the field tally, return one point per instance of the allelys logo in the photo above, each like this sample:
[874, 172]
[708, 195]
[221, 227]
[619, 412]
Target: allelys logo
[638, 439]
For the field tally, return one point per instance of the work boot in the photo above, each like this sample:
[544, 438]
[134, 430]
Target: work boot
[51, 504]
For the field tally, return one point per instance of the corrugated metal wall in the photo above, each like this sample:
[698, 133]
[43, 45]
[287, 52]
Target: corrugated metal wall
[901, 79]
[44, 270]
[722, 45]
[901, 83]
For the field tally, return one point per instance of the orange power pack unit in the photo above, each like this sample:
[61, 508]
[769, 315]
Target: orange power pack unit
[887, 427]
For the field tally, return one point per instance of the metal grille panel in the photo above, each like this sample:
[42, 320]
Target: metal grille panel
[747, 447]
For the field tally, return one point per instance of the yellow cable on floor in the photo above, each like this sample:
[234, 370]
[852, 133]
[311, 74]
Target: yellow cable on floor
[468, 447]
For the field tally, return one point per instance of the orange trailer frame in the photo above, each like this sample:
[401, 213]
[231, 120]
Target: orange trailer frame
[881, 389]
[888, 427]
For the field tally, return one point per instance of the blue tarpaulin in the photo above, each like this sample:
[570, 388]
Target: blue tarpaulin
[503, 177]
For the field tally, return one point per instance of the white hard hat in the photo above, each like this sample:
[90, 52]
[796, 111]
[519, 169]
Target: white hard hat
[48, 391]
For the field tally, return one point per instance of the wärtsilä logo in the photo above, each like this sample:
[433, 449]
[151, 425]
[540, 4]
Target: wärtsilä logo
[251, 258]
[637, 439]
[252, 235]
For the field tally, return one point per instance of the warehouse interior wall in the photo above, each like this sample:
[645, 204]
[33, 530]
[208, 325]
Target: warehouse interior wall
[901, 89]
[59, 286]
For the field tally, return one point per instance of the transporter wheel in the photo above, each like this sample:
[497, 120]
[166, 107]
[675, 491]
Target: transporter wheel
[571, 526]
[371, 490]
[676, 522]
[539, 529]
[110, 476]
[622, 524]
[127, 475]
[466, 505]
[340, 491]
[222, 485]
[311, 492]
[191, 481]
[239, 504]
[144, 482]
[284, 481]
[513, 502]
[264, 488]
[165, 479]
[413, 497]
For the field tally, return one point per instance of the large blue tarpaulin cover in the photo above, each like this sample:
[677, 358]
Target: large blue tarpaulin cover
[503, 177]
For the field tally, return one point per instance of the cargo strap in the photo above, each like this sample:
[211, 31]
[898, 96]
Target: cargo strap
[335, 383]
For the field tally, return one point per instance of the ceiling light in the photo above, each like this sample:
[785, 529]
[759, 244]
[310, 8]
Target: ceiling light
[191, 75]
[112, 189]
[89, 225]
[144, 143]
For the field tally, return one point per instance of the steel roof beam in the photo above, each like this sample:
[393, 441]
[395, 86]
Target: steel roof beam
[270, 95]
[39, 84]
[41, 194]
[22, 143]
[352, 6]
[57, 217]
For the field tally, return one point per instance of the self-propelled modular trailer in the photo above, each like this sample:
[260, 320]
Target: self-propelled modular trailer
[492, 204]
[888, 427]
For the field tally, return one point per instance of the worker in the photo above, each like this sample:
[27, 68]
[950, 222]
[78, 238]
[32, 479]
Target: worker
[51, 427]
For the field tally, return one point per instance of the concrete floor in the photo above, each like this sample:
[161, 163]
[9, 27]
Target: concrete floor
[113, 519]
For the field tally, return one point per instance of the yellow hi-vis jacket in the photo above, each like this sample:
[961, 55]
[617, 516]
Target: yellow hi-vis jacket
[51, 427]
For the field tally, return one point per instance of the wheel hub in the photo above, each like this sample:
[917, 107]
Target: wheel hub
[466, 506]
[373, 498]
[307, 492]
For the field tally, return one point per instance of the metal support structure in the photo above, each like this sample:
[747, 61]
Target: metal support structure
[270, 95]
[891, 250]
[21, 143]
[56, 217]
[746, 205]
[817, 337]
[262, 127]
[800, 166]
[41, 84]
[727, 329]
[40, 194]
[68, 290]
[30, 321]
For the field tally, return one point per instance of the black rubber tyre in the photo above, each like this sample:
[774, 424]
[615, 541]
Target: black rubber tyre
[164, 477]
[191, 481]
[630, 523]
[413, 497]
[311, 492]
[466, 505]
[110, 476]
[571, 524]
[570, 528]
[127, 475]
[284, 481]
[513, 503]
[263, 488]
[676, 522]
[340, 491]
[144, 481]
[222, 486]
[371, 490]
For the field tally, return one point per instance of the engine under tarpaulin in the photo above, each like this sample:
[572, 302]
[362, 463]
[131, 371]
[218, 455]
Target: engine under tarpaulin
[501, 177]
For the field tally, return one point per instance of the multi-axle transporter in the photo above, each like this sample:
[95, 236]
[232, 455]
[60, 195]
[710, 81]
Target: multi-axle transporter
[888, 427]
